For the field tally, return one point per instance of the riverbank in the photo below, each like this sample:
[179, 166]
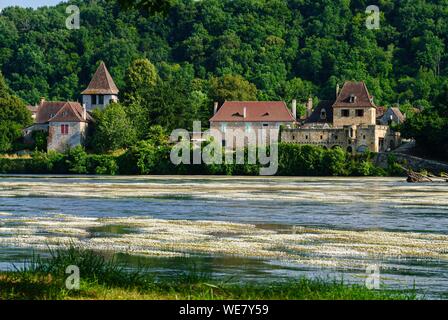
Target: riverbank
[44, 279]
[147, 158]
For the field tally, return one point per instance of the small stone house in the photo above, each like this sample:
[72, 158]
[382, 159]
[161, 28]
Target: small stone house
[349, 122]
[66, 122]
[392, 116]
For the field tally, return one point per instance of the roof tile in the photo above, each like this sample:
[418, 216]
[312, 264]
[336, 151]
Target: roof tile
[256, 111]
[102, 82]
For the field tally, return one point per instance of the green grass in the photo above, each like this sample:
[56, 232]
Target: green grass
[103, 278]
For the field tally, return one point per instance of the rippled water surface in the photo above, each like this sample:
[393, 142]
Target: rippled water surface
[255, 228]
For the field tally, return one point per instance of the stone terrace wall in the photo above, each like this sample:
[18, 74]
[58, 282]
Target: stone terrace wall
[413, 162]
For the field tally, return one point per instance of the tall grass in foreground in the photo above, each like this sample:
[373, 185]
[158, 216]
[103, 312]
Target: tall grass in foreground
[103, 278]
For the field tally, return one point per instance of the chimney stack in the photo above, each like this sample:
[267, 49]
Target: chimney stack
[294, 108]
[309, 107]
[337, 90]
[42, 100]
[215, 108]
[84, 111]
[244, 112]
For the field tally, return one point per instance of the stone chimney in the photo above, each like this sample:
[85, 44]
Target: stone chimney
[244, 112]
[337, 90]
[84, 111]
[42, 100]
[215, 107]
[294, 108]
[309, 107]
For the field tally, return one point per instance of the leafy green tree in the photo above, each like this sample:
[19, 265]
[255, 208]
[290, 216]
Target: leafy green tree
[14, 116]
[157, 135]
[140, 78]
[113, 130]
[232, 88]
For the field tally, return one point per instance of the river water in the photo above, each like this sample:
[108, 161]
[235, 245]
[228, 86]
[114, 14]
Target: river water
[245, 228]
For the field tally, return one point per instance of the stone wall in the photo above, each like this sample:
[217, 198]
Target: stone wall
[354, 139]
[415, 163]
[61, 142]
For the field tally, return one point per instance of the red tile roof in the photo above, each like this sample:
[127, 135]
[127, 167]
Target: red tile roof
[60, 111]
[256, 111]
[102, 82]
[359, 94]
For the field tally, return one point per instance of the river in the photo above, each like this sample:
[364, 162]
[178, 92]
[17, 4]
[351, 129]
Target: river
[246, 228]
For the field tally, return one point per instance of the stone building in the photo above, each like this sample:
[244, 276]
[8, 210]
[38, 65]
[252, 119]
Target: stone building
[250, 117]
[392, 116]
[66, 122]
[349, 122]
[101, 90]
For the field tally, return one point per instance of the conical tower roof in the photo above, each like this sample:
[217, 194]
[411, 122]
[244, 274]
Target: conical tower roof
[102, 82]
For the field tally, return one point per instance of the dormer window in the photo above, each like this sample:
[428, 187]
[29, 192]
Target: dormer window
[352, 98]
[266, 114]
[323, 114]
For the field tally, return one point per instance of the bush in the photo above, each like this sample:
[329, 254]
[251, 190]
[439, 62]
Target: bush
[40, 140]
[76, 159]
[147, 158]
[102, 164]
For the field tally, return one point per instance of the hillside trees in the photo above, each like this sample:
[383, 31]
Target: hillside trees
[13, 117]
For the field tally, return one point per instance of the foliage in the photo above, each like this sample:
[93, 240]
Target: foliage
[112, 129]
[103, 277]
[201, 51]
[232, 88]
[153, 157]
[77, 160]
[286, 48]
[141, 77]
[40, 140]
[13, 117]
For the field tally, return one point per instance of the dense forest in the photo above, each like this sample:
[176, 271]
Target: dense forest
[200, 51]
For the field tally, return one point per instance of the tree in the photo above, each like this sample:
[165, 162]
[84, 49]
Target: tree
[232, 88]
[151, 6]
[113, 130]
[14, 116]
[140, 78]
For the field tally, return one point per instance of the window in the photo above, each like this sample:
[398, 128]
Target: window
[364, 137]
[352, 98]
[93, 99]
[265, 124]
[64, 129]
[335, 137]
[359, 112]
[223, 127]
[248, 127]
[323, 114]
[345, 113]
[306, 137]
[100, 99]
[321, 137]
